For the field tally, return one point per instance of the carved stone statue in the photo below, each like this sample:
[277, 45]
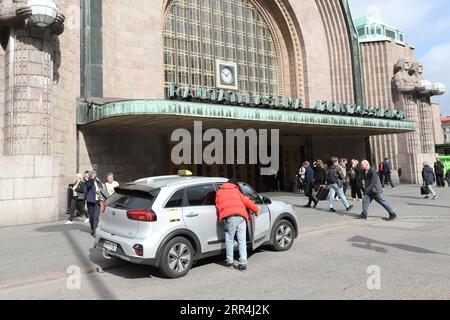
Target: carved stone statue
[412, 94]
[416, 72]
[403, 81]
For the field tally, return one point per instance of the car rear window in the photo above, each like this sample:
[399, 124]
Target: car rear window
[132, 199]
[176, 201]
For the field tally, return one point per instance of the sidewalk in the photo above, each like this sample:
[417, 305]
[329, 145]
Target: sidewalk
[405, 200]
[35, 253]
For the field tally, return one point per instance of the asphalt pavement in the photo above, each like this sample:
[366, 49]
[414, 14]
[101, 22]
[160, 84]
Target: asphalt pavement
[334, 258]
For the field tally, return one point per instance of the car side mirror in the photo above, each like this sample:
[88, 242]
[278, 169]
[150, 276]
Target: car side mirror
[267, 200]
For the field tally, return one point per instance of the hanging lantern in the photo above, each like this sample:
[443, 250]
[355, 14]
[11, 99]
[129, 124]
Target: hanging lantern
[44, 12]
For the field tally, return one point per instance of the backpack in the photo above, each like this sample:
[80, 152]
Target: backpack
[381, 167]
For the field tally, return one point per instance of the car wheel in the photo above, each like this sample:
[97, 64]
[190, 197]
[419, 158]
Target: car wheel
[283, 236]
[177, 258]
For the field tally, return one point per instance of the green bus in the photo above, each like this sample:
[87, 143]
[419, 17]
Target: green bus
[446, 161]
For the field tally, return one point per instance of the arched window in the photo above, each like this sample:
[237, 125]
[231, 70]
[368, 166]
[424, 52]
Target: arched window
[197, 33]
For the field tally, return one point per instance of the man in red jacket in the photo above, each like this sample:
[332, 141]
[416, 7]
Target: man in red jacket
[232, 206]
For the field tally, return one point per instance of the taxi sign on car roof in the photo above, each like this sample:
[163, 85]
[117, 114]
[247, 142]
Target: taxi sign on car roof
[185, 173]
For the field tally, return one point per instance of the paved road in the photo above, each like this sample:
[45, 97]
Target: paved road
[329, 260]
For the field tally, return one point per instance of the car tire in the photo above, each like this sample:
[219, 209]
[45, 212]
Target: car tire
[283, 236]
[177, 258]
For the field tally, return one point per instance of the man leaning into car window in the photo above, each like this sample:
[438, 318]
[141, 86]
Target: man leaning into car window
[232, 206]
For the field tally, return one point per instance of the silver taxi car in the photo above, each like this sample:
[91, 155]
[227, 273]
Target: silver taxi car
[171, 221]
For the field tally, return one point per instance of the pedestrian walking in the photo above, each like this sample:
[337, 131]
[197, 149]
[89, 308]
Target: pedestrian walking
[319, 174]
[381, 173]
[301, 178]
[110, 184]
[356, 184]
[429, 178]
[343, 165]
[374, 191]
[335, 180]
[387, 173]
[439, 172]
[400, 172]
[309, 185]
[77, 202]
[86, 176]
[232, 206]
[447, 177]
[96, 193]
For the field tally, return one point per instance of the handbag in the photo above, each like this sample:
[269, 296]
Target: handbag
[424, 190]
[81, 196]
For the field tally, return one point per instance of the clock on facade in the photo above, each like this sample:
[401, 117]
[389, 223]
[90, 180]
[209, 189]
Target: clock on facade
[226, 75]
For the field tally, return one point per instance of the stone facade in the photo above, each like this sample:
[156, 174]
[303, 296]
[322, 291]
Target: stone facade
[122, 58]
[37, 94]
[389, 83]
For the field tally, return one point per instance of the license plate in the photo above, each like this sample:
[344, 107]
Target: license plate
[109, 246]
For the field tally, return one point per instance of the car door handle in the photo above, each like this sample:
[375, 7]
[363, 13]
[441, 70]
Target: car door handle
[192, 215]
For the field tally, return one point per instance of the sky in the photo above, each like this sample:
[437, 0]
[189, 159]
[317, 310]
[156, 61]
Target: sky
[426, 24]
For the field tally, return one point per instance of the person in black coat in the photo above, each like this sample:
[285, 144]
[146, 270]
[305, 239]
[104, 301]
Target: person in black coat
[309, 185]
[373, 190]
[447, 177]
[387, 172]
[319, 174]
[356, 183]
[96, 193]
[429, 179]
[77, 200]
[439, 172]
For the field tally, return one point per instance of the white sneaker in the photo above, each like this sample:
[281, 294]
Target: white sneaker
[69, 222]
[86, 221]
[435, 197]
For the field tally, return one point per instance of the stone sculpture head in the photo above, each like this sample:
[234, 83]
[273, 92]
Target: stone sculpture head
[402, 64]
[417, 67]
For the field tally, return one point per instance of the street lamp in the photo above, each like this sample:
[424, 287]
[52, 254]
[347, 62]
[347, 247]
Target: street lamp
[44, 12]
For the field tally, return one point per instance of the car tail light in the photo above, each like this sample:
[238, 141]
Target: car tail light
[139, 250]
[144, 215]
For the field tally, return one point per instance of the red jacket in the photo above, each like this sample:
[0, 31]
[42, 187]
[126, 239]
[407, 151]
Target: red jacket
[231, 202]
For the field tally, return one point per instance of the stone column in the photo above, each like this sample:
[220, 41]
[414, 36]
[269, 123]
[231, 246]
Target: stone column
[30, 58]
[29, 79]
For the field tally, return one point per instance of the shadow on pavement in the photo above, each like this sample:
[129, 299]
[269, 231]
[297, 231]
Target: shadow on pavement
[371, 244]
[427, 205]
[126, 270]
[65, 228]
[97, 283]
[121, 268]
[405, 197]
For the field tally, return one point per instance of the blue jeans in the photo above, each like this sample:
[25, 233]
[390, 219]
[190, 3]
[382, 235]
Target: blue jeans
[334, 189]
[237, 225]
[367, 200]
